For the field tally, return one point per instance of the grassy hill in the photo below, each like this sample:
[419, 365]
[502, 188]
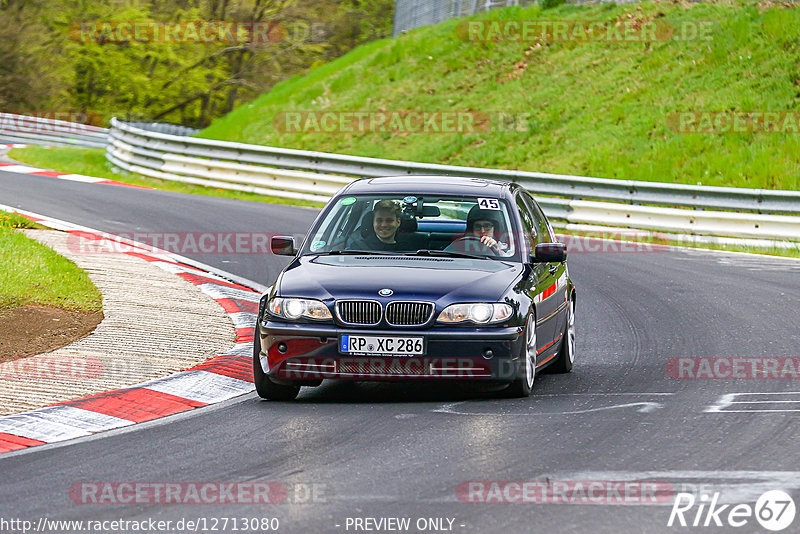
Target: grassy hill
[594, 108]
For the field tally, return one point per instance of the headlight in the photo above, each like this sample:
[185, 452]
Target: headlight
[477, 312]
[291, 308]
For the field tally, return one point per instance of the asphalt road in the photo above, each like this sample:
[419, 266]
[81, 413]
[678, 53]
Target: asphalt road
[392, 450]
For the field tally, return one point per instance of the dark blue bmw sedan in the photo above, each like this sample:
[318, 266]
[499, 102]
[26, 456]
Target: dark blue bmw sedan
[419, 277]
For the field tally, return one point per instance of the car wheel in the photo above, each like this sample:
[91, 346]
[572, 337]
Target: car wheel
[522, 385]
[266, 388]
[566, 354]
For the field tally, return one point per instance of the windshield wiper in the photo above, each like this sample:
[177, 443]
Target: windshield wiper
[445, 254]
[357, 253]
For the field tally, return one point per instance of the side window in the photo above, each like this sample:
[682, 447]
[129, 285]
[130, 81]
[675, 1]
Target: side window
[540, 221]
[528, 227]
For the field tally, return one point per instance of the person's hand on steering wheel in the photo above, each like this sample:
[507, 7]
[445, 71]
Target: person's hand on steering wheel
[490, 242]
[485, 243]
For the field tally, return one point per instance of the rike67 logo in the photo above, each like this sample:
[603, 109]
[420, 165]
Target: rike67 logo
[774, 510]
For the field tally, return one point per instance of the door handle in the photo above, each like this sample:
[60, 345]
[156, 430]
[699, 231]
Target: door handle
[553, 269]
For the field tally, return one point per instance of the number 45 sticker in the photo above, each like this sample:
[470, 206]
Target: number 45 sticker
[489, 204]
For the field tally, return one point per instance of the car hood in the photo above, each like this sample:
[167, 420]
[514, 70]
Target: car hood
[440, 280]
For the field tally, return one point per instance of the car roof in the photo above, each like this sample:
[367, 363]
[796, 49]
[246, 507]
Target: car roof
[430, 185]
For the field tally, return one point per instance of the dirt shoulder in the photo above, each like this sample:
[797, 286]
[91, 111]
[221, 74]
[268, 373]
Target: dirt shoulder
[30, 330]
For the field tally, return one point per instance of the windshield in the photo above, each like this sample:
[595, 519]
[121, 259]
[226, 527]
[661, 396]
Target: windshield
[453, 226]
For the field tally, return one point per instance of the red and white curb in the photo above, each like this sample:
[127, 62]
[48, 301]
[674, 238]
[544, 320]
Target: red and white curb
[16, 145]
[24, 169]
[223, 377]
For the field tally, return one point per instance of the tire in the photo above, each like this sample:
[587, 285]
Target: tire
[266, 388]
[523, 384]
[566, 354]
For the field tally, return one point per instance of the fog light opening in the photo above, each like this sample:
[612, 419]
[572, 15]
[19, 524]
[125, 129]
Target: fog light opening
[282, 348]
[488, 354]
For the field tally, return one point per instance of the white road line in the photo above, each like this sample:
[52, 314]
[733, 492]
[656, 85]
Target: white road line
[644, 407]
[730, 399]
[734, 487]
[598, 394]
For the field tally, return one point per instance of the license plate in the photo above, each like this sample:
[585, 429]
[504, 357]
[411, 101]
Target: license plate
[395, 346]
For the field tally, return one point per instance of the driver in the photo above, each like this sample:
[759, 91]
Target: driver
[481, 226]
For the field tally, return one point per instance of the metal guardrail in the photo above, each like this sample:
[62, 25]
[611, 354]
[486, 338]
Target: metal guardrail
[153, 145]
[163, 151]
[42, 131]
[163, 127]
[303, 174]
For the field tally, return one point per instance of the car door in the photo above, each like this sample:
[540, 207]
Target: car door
[556, 292]
[539, 279]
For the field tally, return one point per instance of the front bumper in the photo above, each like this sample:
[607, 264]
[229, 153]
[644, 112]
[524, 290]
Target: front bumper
[311, 352]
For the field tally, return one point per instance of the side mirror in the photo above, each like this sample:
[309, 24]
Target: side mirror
[549, 253]
[282, 245]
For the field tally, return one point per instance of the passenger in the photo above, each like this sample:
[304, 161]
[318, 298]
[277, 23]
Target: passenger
[386, 217]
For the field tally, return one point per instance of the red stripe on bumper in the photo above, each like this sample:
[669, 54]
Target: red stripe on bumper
[549, 291]
[547, 346]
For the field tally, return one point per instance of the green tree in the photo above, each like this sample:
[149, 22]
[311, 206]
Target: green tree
[47, 62]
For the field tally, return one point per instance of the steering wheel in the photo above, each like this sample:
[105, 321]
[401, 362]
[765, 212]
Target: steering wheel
[469, 240]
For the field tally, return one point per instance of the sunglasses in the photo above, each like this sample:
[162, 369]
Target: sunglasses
[483, 226]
